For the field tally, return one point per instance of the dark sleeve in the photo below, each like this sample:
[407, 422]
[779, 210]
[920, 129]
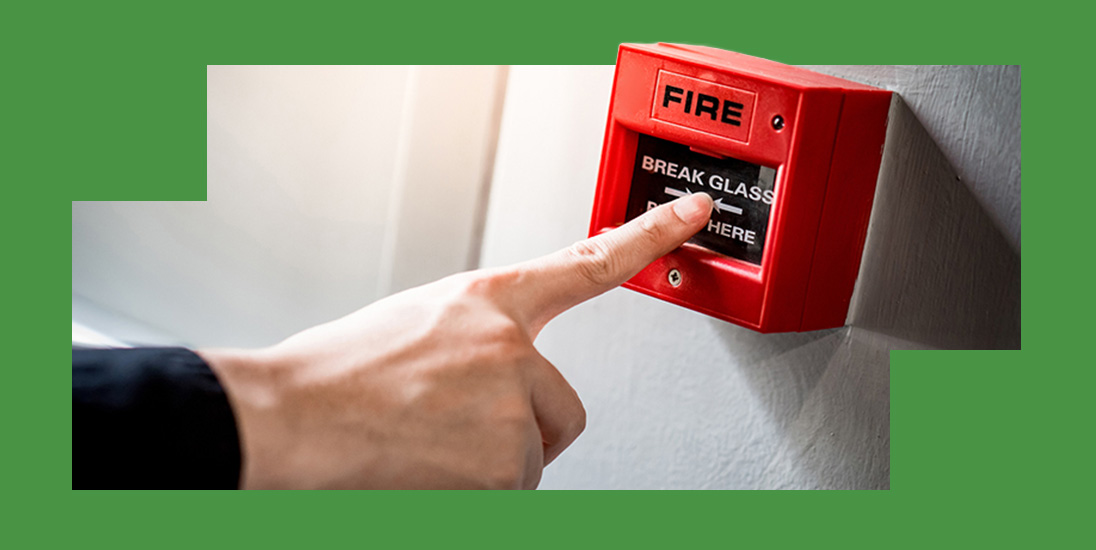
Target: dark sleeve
[153, 418]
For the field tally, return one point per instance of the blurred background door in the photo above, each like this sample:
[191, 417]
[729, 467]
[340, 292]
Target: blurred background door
[328, 187]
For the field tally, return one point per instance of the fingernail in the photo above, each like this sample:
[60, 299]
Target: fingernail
[694, 208]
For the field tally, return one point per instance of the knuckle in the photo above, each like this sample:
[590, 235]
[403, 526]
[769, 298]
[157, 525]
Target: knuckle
[511, 428]
[594, 261]
[579, 425]
[506, 330]
[478, 281]
[506, 475]
[651, 231]
[469, 304]
[504, 339]
[486, 282]
[575, 424]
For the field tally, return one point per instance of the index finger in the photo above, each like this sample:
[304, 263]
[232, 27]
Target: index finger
[559, 281]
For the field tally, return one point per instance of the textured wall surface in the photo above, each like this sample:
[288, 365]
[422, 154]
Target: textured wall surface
[679, 400]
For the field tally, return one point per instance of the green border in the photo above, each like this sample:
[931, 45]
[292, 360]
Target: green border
[107, 102]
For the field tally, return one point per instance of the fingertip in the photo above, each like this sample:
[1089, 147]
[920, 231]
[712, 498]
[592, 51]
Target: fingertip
[694, 208]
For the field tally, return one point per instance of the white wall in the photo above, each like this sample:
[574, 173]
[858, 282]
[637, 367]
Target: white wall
[680, 400]
[328, 187]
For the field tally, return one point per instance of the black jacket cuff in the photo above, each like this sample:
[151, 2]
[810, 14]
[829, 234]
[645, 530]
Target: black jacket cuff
[150, 418]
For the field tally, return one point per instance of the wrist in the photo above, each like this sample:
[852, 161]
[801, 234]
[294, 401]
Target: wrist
[250, 380]
[245, 374]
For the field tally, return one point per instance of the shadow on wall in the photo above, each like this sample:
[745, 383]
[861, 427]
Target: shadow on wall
[828, 394]
[936, 269]
[937, 273]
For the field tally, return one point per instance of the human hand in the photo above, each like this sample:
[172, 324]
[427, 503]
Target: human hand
[438, 386]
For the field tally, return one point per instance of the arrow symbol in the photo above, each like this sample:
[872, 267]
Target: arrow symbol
[732, 209]
[675, 193]
[718, 203]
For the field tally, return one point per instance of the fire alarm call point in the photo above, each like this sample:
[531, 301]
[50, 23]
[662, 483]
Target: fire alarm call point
[790, 156]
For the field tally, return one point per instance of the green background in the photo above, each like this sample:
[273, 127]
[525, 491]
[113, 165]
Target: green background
[106, 101]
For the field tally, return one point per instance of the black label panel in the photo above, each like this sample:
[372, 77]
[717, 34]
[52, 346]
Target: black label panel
[743, 192]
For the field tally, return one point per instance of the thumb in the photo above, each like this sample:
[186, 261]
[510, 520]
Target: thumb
[559, 281]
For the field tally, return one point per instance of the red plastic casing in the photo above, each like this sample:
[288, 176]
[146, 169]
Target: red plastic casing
[826, 157]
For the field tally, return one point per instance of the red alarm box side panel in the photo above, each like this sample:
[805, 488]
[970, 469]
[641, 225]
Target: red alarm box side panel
[796, 215]
[847, 210]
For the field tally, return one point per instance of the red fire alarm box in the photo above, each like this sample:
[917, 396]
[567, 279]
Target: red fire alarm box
[789, 155]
